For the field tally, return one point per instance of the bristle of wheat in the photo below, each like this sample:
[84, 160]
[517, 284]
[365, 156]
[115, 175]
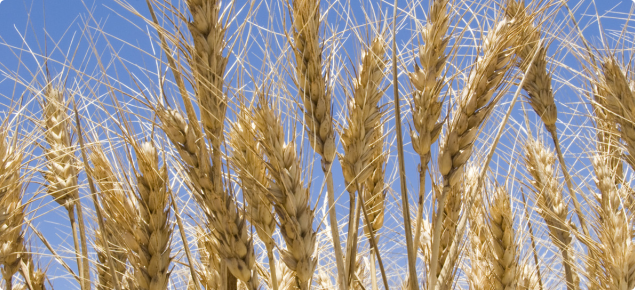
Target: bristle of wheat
[289, 196]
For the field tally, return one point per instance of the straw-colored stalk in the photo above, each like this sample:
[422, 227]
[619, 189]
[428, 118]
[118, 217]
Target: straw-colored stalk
[61, 173]
[289, 195]
[252, 172]
[152, 233]
[11, 209]
[362, 161]
[229, 227]
[316, 100]
[428, 81]
[117, 209]
[537, 84]
[540, 164]
[474, 105]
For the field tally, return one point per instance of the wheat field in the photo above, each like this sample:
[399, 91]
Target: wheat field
[317, 144]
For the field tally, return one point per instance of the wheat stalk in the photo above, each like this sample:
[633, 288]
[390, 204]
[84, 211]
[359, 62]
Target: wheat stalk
[474, 105]
[537, 84]
[428, 82]
[362, 141]
[152, 233]
[118, 209]
[316, 100]
[11, 209]
[251, 169]
[210, 260]
[61, 173]
[289, 196]
[504, 251]
[540, 163]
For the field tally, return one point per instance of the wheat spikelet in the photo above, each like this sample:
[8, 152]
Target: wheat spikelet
[537, 77]
[251, 169]
[323, 281]
[235, 245]
[474, 105]
[311, 83]
[504, 251]
[118, 209]
[151, 258]
[614, 248]
[527, 279]
[33, 279]
[61, 173]
[540, 162]
[289, 196]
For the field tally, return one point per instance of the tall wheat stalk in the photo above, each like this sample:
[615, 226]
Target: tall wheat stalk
[254, 178]
[316, 100]
[537, 84]
[61, 173]
[540, 162]
[475, 103]
[428, 81]
[362, 140]
[288, 194]
[151, 233]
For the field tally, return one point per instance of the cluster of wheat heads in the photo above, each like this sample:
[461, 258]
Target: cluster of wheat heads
[205, 180]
